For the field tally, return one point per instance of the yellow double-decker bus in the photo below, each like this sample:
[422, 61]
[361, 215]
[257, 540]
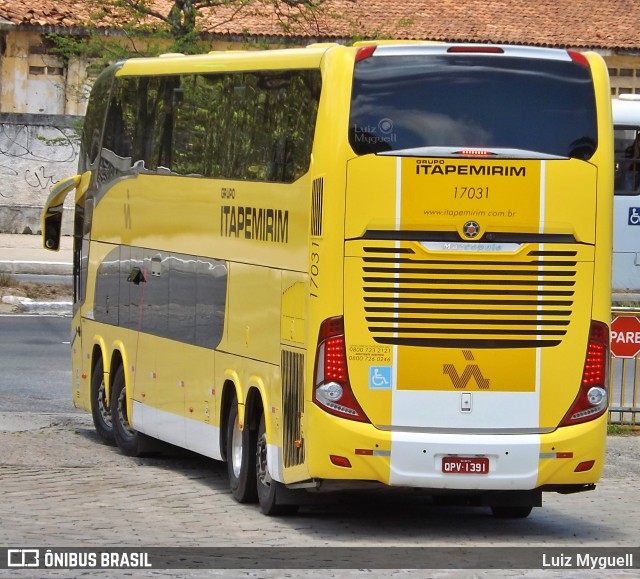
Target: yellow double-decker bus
[335, 267]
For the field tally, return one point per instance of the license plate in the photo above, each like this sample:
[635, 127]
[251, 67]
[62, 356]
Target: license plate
[462, 465]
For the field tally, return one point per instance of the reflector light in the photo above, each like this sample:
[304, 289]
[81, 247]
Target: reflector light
[584, 466]
[365, 52]
[340, 461]
[364, 451]
[476, 49]
[564, 454]
[592, 398]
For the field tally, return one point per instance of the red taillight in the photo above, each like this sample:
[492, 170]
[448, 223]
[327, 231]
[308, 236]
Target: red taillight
[331, 388]
[474, 153]
[595, 364]
[335, 363]
[578, 58]
[592, 400]
[475, 49]
[365, 52]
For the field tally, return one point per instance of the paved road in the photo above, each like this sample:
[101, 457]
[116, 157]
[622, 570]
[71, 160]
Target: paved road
[35, 364]
[61, 487]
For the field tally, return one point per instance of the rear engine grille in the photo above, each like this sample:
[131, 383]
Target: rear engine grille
[292, 406]
[488, 303]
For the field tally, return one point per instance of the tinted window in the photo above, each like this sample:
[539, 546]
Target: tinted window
[404, 102]
[627, 159]
[94, 120]
[252, 126]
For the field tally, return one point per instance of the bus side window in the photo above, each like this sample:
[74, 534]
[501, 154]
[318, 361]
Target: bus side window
[633, 170]
[627, 161]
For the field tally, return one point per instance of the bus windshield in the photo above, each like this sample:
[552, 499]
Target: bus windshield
[406, 102]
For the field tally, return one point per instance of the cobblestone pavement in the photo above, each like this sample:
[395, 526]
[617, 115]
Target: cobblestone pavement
[62, 487]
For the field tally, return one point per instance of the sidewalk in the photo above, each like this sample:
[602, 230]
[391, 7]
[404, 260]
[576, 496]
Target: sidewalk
[25, 254]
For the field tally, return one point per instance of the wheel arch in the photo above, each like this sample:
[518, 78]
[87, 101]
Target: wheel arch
[116, 361]
[249, 408]
[119, 358]
[98, 352]
[253, 408]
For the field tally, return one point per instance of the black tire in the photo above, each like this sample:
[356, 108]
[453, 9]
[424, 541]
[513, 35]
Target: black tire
[126, 437]
[241, 450]
[269, 490]
[511, 512]
[100, 410]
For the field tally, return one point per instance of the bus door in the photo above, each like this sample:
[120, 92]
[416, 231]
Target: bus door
[470, 233]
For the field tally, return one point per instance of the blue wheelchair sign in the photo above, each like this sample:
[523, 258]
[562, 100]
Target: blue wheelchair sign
[634, 216]
[380, 377]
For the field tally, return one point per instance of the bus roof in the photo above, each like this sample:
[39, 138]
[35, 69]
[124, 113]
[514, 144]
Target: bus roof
[626, 111]
[309, 57]
[222, 61]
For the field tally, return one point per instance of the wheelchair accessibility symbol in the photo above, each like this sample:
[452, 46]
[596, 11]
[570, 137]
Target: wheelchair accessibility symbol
[380, 377]
[634, 216]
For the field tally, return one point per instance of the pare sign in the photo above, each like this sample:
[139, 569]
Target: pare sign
[625, 336]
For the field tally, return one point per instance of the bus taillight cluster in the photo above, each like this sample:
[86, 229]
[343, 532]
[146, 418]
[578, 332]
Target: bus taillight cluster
[332, 390]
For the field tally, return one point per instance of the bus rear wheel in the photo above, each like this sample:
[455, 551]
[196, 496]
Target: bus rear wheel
[126, 437]
[241, 448]
[100, 410]
[269, 491]
[505, 512]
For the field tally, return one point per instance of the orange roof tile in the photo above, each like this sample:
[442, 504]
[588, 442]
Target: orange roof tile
[614, 24]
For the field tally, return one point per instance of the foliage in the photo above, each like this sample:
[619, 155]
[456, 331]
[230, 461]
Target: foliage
[623, 429]
[142, 30]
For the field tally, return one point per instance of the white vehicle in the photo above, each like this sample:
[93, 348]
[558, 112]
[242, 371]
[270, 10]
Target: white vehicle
[626, 229]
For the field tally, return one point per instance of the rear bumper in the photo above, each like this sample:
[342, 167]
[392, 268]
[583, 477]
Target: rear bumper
[414, 459]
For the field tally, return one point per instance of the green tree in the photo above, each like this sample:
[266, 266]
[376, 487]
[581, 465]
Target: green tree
[125, 28]
[182, 23]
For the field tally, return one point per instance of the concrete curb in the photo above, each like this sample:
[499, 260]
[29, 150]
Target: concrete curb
[37, 267]
[29, 306]
[48, 308]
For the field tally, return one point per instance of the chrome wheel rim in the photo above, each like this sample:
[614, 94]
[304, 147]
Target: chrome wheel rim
[236, 448]
[103, 409]
[122, 413]
[262, 471]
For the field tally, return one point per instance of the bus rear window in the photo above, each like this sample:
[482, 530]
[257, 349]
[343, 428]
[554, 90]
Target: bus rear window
[538, 105]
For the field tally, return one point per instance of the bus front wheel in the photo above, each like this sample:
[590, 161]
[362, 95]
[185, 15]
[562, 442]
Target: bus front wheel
[100, 410]
[241, 445]
[125, 436]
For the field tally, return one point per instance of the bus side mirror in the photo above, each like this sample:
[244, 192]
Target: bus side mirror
[52, 213]
[52, 229]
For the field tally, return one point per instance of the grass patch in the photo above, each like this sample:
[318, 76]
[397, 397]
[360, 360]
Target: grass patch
[623, 429]
[39, 291]
[7, 280]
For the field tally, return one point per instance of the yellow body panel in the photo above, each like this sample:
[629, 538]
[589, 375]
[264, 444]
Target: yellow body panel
[205, 288]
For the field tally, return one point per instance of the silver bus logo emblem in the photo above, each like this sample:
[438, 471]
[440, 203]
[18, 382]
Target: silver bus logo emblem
[471, 229]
